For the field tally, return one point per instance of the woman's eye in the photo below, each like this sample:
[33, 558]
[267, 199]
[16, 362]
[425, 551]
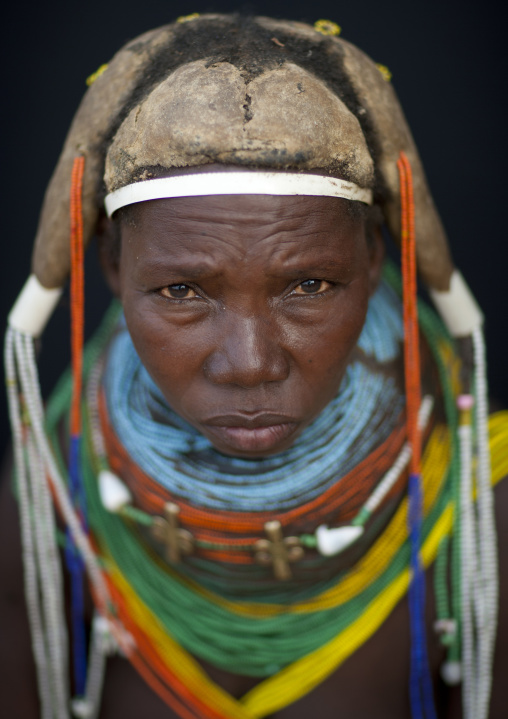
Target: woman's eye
[178, 292]
[311, 287]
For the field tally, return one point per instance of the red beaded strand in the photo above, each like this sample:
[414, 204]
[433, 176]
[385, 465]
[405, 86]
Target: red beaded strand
[77, 290]
[410, 311]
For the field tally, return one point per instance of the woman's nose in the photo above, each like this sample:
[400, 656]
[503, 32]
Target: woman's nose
[248, 353]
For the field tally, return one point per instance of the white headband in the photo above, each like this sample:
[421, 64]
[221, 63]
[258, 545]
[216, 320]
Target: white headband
[235, 183]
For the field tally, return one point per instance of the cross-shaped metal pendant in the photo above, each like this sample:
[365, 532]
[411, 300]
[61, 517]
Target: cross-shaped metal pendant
[278, 550]
[166, 530]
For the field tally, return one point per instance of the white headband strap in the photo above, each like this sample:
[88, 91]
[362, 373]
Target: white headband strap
[235, 183]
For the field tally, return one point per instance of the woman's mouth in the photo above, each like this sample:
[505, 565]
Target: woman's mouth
[250, 435]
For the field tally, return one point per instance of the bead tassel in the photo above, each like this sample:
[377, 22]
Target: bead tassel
[420, 687]
[77, 291]
[73, 559]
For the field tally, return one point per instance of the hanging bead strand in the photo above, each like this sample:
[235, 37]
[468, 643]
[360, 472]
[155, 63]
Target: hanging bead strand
[72, 556]
[422, 702]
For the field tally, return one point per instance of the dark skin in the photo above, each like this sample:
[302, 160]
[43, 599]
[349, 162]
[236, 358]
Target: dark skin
[248, 309]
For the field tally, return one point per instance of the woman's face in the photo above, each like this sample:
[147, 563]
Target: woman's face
[245, 309]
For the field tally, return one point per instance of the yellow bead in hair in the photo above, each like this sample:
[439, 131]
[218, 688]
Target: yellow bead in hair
[327, 27]
[93, 77]
[385, 72]
[187, 18]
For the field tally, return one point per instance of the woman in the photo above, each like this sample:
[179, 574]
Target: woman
[239, 496]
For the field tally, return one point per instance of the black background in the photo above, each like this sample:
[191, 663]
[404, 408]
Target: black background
[449, 66]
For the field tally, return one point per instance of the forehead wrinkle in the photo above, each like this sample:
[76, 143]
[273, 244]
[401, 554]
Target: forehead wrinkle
[204, 256]
[233, 211]
[259, 227]
[279, 254]
[239, 208]
[273, 235]
[329, 254]
[238, 243]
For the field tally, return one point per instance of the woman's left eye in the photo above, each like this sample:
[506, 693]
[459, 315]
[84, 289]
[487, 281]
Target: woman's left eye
[311, 287]
[178, 292]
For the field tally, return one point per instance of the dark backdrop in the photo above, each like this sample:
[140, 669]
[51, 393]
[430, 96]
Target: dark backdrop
[448, 65]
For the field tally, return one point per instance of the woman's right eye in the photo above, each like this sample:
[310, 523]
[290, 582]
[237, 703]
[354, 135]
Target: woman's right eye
[312, 287]
[178, 292]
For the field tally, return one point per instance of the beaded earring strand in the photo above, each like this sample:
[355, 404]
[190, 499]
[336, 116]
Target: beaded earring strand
[478, 547]
[40, 481]
[88, 682]
[420, 686]
[474, 514]
[73, 560]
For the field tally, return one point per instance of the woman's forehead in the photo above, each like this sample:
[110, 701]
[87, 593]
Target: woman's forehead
[251, 210]
[204, 231]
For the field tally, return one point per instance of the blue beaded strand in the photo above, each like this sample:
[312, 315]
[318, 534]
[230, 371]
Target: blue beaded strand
[76, 569]
[420, 683]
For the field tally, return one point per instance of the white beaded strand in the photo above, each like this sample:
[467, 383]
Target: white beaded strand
[50, 586]
[486, 531]
[33, 399]
[468, 562]
[23, 347]
[42, 574]
[92, 392]
[27, 535]
[479, 584]
[50, 571]
[401, 462]
[102, 645]
[57, 656]
[331, 541]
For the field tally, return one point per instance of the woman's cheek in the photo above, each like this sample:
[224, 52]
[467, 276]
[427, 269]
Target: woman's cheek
[171, 354]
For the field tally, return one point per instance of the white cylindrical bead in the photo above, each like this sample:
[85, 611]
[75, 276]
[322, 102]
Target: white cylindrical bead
[33, 308]
[458, 308]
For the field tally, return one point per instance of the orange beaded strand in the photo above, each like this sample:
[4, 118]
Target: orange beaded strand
[410, 310]
[77, 290]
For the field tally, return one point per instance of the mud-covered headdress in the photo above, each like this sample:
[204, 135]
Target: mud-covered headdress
[250, 94]
[286, 110]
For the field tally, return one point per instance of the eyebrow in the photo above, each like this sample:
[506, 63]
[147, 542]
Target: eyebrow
[311, 268]
[192, 271]
[197, 270]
